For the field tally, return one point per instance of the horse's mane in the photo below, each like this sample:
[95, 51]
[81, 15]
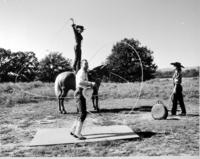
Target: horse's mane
[97, 72]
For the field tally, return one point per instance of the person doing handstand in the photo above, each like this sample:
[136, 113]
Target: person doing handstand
[78, 29]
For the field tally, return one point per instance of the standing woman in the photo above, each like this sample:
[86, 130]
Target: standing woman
[78, 29]
[81, 83]
[177, 91]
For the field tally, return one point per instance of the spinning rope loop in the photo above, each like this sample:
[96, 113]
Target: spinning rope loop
[114, 74]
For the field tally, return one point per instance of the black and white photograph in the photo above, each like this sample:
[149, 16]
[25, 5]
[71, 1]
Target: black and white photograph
[99, 78]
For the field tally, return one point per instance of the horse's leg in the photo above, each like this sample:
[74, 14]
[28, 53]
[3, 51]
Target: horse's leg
[63, 95]
[59, 101]
[62, 106]
[93, 102]
[97, 103]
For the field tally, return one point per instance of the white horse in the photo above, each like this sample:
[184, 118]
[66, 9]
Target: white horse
[66, 81]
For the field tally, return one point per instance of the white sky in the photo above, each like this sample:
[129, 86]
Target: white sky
[170, 28]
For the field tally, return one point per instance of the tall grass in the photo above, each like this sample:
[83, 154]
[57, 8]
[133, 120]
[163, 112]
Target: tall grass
[156, 88]
[18, 93]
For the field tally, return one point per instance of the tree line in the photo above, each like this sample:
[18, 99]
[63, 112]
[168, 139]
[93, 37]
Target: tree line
[25, 67]
[123, 61]
[193, 72]
[128, 61]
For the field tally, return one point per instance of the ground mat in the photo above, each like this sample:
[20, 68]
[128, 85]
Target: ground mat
[53, 136]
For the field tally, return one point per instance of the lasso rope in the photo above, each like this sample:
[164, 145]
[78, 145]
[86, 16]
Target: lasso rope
[141, 85]
[135, 51]
[142, 75]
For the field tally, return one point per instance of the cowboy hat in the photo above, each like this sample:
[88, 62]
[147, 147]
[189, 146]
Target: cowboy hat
[177, 64]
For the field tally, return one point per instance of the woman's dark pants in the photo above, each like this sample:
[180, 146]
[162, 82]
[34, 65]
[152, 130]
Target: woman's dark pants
[81, 104]
[77, 61]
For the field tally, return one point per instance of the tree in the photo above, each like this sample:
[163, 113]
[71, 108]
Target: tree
[24, 65]
[164, 74]
[125, 62]
[51, 65]
[4, 63]
[17, 66]
[193, 72]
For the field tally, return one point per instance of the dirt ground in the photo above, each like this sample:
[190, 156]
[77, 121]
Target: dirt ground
[175, 136]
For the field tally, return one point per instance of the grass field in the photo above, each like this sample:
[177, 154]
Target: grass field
[23, 107]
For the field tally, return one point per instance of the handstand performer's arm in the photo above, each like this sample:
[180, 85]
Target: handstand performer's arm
[74, 26]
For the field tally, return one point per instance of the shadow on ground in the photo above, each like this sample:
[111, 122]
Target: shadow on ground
[115, 110]
[145, 108]
[145, 134]
[148, 134]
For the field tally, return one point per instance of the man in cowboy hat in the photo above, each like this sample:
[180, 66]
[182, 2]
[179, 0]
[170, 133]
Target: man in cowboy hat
[78, 29]
[177, 90]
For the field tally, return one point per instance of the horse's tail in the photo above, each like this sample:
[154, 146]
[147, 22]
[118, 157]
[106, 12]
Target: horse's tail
[57, 88]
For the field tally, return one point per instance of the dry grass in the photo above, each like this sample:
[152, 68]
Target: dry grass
[20, 119]
[19, 93]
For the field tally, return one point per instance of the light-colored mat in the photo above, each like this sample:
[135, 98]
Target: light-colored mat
[53, 136]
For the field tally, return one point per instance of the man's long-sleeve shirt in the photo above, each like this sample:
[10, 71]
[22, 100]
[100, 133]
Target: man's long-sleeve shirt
[82, 79]
[177, 77]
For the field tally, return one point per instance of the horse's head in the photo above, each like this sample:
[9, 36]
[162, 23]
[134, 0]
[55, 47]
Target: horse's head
[98, 72]
[97, 83]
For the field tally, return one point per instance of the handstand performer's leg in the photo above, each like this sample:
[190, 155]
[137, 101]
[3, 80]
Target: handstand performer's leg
[75, 59]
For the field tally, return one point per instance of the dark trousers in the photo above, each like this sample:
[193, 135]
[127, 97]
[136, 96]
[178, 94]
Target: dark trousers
[77, 60]
[81, 104]
[178, 97]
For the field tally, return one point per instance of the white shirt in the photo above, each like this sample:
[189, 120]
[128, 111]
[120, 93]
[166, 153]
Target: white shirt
[82, 79]
[177, 77]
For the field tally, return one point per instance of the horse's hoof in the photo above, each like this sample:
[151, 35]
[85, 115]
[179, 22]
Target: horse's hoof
[64, 112]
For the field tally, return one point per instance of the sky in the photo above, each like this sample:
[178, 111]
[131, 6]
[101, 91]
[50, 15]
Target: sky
[169, 28]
